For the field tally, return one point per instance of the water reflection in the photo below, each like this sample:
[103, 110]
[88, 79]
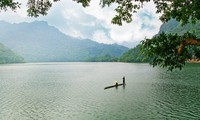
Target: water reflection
[124, 87]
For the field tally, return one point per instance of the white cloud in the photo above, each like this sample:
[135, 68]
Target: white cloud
[74, 33]
[128, 32]
[93, 22]
[104, 14]
[70, 14]
[101, 37]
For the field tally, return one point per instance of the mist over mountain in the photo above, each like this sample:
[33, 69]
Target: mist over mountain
[39, 42]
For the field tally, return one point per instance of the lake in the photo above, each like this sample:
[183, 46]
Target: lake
[75, 91]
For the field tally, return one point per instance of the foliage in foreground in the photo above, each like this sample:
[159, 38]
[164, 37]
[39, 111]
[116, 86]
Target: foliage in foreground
[170, 50]
[181, 10]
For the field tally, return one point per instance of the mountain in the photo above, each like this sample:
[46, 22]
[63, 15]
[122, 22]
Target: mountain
[8, 56]
[174, 26]
[40, 42]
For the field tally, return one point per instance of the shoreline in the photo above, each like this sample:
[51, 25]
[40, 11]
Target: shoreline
[193, 61]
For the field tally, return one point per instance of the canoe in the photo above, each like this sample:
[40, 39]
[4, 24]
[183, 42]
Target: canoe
[114, 86]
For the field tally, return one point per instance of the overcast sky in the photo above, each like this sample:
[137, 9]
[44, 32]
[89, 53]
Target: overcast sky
[93, 22]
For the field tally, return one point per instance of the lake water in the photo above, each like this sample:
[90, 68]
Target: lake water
[75, 91]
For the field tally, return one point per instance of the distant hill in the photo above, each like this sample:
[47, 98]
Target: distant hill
[39, 42]
[133, 55]
[8, 56]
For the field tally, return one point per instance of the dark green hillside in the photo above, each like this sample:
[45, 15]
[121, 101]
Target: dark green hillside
[105, 58]
[39, 42]
[133, 55]
[8, 56]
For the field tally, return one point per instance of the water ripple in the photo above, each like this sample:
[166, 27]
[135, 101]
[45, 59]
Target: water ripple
[75, 92]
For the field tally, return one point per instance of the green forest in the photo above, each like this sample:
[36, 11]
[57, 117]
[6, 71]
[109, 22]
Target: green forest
[133, 55]
[105, 58]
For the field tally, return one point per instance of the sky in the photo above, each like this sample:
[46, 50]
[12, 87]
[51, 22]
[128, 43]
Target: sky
[93, 22]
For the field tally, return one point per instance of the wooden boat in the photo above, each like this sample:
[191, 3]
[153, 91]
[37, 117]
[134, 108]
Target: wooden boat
[114, 86]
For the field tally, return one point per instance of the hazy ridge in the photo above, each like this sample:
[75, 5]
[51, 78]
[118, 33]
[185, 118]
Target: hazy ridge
[39, 42]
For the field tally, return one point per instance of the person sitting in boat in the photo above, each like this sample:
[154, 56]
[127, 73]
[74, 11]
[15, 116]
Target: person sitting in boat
[116, 83]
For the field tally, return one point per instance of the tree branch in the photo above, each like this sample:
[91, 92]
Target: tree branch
[186, 42]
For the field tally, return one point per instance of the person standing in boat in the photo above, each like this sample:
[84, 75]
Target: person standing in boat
[124, 80]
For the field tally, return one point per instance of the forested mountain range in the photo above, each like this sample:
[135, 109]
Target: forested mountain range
[40, 42]
[172, 26]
